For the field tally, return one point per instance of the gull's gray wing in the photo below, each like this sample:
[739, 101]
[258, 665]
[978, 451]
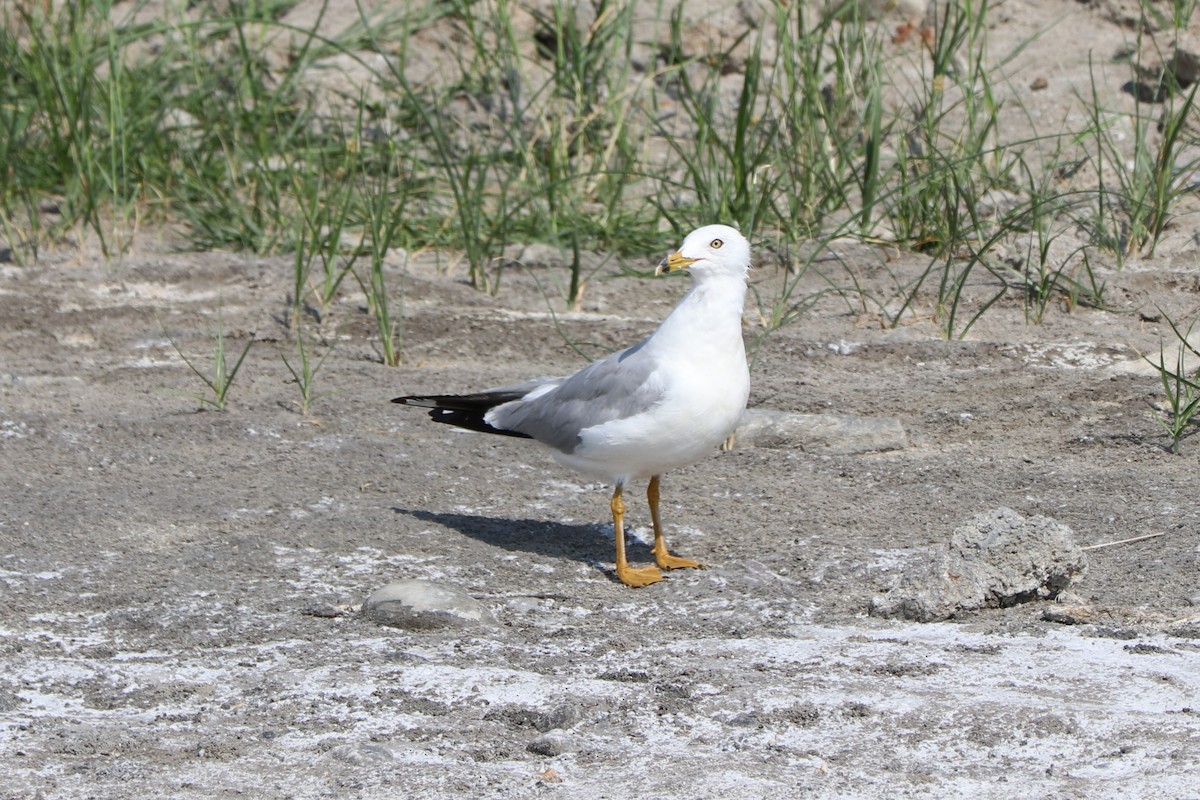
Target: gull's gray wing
[622, 385]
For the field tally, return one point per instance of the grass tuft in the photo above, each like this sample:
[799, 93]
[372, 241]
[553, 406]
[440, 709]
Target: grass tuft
[1181, 385]
[223, 373]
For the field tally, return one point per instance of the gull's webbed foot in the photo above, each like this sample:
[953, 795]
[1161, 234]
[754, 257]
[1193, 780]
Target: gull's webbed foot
[637, 577]
[662, 556]
[667, 561]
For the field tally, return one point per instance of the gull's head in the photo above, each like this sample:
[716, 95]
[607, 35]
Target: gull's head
[710, 251]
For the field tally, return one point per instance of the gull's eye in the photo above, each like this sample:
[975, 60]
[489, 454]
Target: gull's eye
[716, 244]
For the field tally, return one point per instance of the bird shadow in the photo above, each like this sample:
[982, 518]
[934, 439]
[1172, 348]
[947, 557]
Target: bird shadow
[591, 543]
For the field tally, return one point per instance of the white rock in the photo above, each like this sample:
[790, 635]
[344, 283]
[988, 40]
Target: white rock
[361, 754]
[424, 605]
[993, 560]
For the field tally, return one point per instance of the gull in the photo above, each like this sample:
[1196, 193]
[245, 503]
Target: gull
[659, 405]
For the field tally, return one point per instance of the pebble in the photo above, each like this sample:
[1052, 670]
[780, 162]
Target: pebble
[424, 605]
[361, 754]
[563, 716]
[551, 744]
[529, 605]
[537, 254]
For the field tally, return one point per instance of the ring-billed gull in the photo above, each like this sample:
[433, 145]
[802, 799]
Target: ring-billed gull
[658, 405]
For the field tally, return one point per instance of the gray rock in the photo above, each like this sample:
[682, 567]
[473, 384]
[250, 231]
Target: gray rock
[831, 434]
[552, 744]
[994, 560]
[9, 701]
[361, 754]
[563, 716]
[423, 605]
[560, 717]
[539, 254]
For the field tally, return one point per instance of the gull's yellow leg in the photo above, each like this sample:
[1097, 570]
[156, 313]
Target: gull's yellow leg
[664, 558]
[643, 576]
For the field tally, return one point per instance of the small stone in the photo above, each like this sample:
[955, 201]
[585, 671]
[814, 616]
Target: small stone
[361, 754]
[1068, 598]
[549, 776]
[528, 605]
[322, 610]
[829, 434]
[552, 744]
[8, 700]
[746, 719]
[563, 716]
[538, 254]
[1071, 615]
[424, 605]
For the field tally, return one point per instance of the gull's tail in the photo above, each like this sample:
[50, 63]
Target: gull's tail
[467, 410]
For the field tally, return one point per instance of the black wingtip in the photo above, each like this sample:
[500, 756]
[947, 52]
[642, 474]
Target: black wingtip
[421, 401]
[464, 411]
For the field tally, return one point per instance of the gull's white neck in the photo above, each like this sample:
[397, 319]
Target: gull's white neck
[711, 310]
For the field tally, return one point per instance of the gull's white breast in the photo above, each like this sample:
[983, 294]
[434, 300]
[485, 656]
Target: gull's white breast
[702, 367]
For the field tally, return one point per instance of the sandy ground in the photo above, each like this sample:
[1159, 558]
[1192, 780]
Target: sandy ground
[180, 588]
